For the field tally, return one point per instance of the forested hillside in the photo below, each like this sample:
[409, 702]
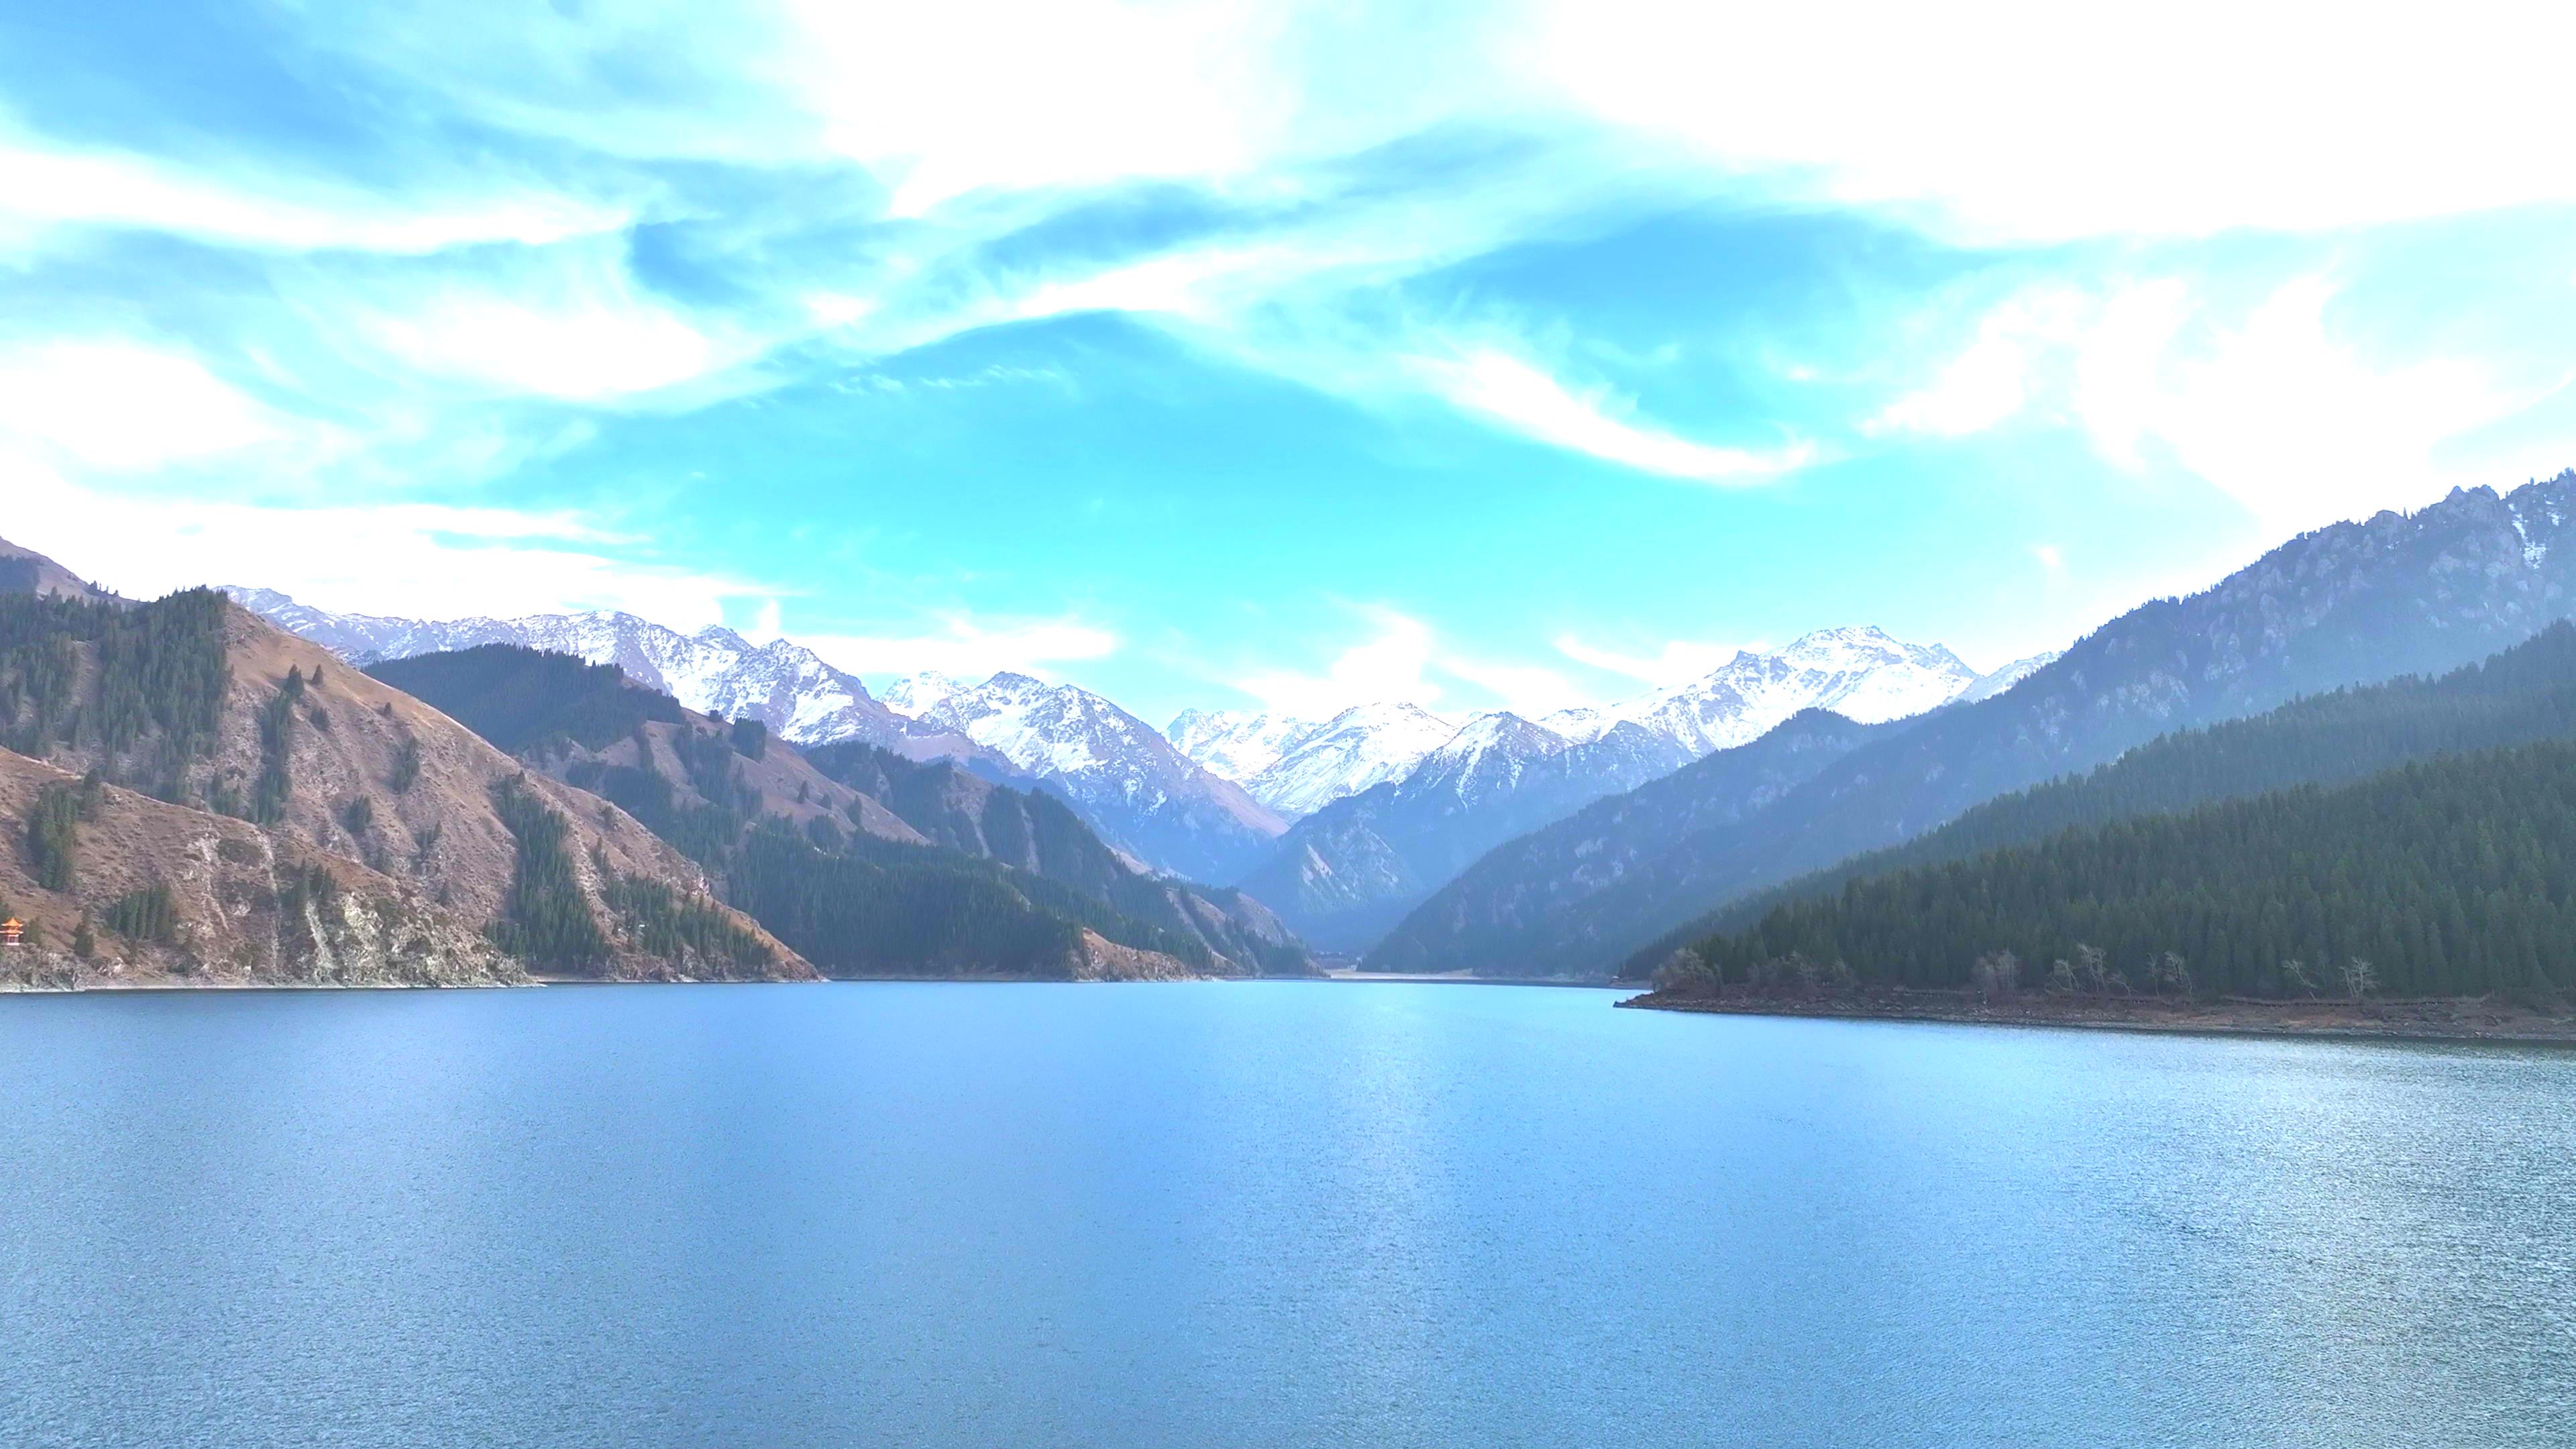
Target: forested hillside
[1033, 832]
[320, 825]
[2524, 694]
[2454, 876]
[832, 866]
[1557, 901]
[526, 699]
[2353, 603]
[92, 675]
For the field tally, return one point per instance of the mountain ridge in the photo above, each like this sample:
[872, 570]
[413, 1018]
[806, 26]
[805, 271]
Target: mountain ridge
[2353, 603]
[412, 839]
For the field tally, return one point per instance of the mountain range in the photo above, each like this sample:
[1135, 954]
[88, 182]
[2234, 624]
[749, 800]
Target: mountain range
[2354, 603]
[1119, 771]
[1298, 767]
[2415, 838]
[1862, 674]
[867, 862]
[1210, 797]
[1128, 781]
[1347, 873]
[787, 687]
[172, 756]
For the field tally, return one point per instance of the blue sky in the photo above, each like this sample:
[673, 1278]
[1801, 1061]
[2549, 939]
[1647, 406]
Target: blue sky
[1521, 354]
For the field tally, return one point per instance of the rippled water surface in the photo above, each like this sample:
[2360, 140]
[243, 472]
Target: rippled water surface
[1291, 1214]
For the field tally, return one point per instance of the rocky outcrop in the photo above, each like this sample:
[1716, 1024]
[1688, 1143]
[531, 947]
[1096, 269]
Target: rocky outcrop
[161, 895]
[326, 764]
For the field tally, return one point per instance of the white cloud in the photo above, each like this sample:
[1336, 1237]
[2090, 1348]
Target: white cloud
[2269, 403]
[2301, 427]
[122, 406]
[964, 95]
[1527, 690]
[1510, 391]
[1391, 665]
[1405, 659]
[422, 560]
[42, 186]
[968, 647]
[593, 341]
[1678, 660]
[2007, 117]
[2027, 119]
[1988, 382]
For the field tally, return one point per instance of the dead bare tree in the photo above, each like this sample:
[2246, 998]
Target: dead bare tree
[2359, 980]
[2294, 972]
[2093, 964]
[2061, 978]
[1997, 973]
[2175, 972]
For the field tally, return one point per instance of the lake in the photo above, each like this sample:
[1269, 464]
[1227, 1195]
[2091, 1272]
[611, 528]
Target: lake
[1257, 1214]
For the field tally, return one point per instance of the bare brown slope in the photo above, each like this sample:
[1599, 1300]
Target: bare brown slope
[247, 907]
[786, 785]
[346, 741]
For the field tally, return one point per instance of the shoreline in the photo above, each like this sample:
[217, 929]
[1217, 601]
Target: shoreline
[1458, 978]
[2441, 1019]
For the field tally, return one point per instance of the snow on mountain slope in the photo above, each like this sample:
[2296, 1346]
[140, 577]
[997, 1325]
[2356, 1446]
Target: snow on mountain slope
[1360, 747]
[1235, 744]
[782, 684]
[917, 695]
[1484, 758]
[1346, 873]
[1990, 685]
[1142, 793]
[1862, 674]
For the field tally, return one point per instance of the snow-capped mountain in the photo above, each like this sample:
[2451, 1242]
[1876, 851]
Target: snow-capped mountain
[1237, 744]
[1362, 746]
[1486, 757]
[1350, 870]
[1125, 776]
[1990, 685]
[1862, 674]
[1346, 873]
[714, 671]
[1297, 766]
[918, 694]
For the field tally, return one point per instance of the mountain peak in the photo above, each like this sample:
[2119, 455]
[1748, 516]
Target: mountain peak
[1859, 671]
[25, 571]
[716, 671]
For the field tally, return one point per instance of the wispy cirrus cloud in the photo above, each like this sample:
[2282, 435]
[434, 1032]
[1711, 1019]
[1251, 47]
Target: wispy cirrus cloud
[2303, 118]
[1677, 660]
[419, 560]
[1518, 395]
[454, 245]
[44, 186]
